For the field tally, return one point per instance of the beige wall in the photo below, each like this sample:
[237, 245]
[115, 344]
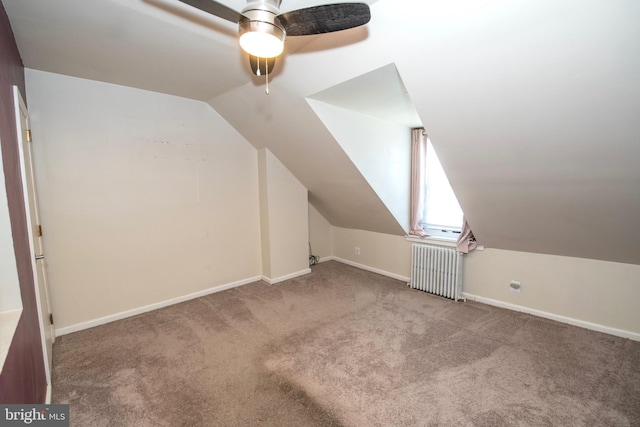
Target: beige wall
[265, 241]
[145, 197]
[599, 292]
[596, 294]
[320, 234]
[385, 253]
[284, 220]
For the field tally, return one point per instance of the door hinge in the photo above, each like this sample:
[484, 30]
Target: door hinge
[28, 135]
[51, 318]
[39, 231]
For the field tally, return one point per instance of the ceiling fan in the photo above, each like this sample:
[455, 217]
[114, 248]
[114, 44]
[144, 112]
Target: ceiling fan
[263, 29]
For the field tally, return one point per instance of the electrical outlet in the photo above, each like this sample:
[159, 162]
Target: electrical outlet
[515, 286]
[357, 250]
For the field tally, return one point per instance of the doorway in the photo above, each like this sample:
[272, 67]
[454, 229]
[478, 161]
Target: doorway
[34, 227]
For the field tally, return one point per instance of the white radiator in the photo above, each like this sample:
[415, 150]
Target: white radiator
[437, 270]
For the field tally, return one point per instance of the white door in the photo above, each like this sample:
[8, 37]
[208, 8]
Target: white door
[35, 231]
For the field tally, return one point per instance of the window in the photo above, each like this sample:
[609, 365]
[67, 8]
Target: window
[434, 209]
[442, 213]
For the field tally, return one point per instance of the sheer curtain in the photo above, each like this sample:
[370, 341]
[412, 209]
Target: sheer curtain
[418, 167]
[466, 240]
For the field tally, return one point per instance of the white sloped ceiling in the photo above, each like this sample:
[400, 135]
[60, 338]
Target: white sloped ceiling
[532, 106]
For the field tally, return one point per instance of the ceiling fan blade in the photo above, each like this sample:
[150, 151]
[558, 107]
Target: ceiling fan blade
[325, 18]
[260, 66]
[215, 8]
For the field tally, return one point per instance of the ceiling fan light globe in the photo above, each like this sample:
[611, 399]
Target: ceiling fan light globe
[261, 39]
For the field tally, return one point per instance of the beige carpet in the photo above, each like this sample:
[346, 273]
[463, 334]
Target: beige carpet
[342, 346]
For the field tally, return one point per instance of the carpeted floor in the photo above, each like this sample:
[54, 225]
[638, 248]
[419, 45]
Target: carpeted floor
[344, 347]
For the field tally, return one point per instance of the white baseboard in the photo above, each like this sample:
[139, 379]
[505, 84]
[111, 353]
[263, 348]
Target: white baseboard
[47, 399]
[366, 267]
[563, 319]
[286, 277]
[539, 313]
[134, 312]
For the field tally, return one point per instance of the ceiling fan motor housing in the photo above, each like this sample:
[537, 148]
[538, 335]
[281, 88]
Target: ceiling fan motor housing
[261, 17]
[272, 6]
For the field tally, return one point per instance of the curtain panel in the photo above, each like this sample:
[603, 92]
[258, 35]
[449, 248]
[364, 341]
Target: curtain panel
[466, 241]
[418, 171]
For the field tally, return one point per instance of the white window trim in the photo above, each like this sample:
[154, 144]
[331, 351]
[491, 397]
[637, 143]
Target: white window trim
[438, 232]
[435, 240]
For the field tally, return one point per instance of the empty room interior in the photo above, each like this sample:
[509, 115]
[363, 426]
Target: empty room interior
[192, 234]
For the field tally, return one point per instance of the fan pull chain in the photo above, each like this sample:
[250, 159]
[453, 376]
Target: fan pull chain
[266, 66]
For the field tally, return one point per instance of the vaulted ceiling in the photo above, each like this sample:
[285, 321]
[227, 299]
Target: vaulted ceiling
[532, 106]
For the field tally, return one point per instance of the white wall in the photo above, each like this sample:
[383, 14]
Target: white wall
[284, 220]
[145, 197]
[381, 150]
[600, 295]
